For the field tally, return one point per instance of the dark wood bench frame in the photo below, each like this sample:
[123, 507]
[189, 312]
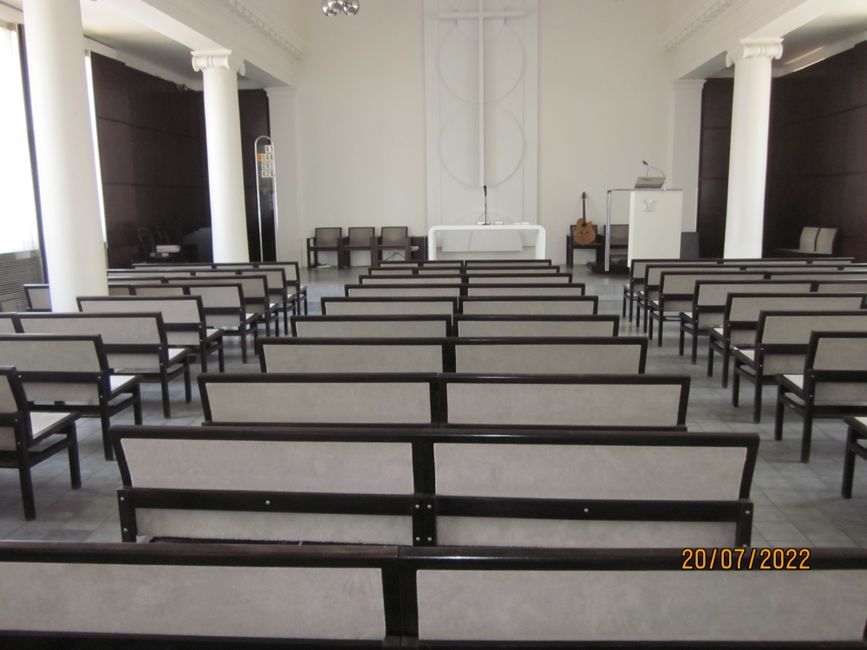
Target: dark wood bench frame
[425, 505]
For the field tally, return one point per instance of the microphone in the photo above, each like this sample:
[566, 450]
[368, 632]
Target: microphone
[485, 190]
[648, 167]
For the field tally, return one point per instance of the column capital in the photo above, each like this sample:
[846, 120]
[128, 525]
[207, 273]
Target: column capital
[755, 48]
[215, 59]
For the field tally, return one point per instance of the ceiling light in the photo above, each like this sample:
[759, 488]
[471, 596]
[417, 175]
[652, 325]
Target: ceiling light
[335, 7]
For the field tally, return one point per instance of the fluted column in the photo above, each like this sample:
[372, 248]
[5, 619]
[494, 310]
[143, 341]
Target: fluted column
[748, 157]
[223, 134]
[74, 250]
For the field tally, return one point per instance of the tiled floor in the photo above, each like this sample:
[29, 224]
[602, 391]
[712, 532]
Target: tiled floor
[796, 504]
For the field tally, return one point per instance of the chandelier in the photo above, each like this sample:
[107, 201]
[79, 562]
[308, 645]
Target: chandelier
[334, 7]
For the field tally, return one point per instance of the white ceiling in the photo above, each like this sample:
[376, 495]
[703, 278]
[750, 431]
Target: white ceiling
[146, 49]
[841, 27]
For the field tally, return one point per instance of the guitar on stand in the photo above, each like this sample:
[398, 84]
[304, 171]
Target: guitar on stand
[584, 233]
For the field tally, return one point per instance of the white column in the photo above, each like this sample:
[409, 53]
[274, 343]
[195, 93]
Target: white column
[749, 145]
[225, 173]
[74, 250]
[685, 145]
[282, 110]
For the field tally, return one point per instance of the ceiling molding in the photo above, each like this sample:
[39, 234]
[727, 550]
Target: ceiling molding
[698, 22]
[291, 43]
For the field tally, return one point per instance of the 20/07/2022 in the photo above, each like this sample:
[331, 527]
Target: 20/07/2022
[739, 559]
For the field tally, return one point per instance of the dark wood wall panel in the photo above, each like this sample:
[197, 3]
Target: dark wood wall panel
[253, 105]
[713, 169]
[153, 156]
[817, 156]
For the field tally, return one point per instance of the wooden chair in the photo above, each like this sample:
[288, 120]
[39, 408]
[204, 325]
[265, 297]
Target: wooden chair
[359, 239]
[394, 238]
[27, 437]
[324, 240]
[833, 383]
[225, 309]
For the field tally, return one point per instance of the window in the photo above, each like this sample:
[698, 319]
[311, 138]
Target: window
[18, 228]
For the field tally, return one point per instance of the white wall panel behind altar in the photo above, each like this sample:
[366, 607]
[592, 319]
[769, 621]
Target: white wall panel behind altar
[360, 103]
[460, 159]
[604, 102]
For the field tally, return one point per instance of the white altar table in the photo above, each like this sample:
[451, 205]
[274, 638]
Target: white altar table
[477, 241]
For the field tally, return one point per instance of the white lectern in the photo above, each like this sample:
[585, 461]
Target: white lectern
[654, 218]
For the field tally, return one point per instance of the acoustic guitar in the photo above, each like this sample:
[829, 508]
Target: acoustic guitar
[585, 233]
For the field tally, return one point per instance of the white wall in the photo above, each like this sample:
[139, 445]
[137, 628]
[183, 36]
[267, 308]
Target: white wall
[361, 131]
[604, 98]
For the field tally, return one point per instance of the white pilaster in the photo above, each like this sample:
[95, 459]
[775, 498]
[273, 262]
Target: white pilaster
[685, 146]
[223, 133]
[284, 134]
[74, 250]
[749, 145]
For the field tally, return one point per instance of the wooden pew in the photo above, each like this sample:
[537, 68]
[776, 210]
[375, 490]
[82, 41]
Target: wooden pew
[397, 306]
[371, 326]
[741, 318]
[474, 325]
[576, 401]
[425, 486]
[527, 289]
[635, 599]
[780, 347]
[676, 289]
[405, 290]
[66, 372]
[267, 596]
[709, 302]
[183, 316]
[539, 355]
[525, 305]
[136, 344]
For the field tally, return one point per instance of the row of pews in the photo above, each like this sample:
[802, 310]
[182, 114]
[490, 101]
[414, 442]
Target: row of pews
[405, 472]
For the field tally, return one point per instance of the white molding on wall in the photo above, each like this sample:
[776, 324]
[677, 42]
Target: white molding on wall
[285, 38]
[703, 16]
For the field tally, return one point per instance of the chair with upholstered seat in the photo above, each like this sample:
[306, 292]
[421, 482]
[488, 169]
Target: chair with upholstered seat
[360, 238]
[395, 238]
[324, 239]
[29, 437]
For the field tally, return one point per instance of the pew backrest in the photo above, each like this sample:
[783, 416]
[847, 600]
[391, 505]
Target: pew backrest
[370, 306]
[531, 289]
[526, 305]
[472, 325]
[38, 297]
[514, 278]
[297, 355]
[405, 290]
[379, 476]
[540, 355]
[315, 326]
[183, 316]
